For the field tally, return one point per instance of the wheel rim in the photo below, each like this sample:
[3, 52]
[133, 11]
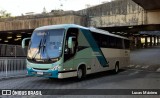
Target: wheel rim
[79, 73]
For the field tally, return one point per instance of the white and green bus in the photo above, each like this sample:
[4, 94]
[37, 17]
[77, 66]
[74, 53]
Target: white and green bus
[69, 50]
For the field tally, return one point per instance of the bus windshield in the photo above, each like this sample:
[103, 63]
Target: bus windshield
[46, 44]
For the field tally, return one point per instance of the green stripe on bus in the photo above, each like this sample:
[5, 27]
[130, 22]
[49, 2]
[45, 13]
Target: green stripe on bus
[102, 60]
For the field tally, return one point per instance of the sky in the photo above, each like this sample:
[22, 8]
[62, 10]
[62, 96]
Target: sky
[19, 7]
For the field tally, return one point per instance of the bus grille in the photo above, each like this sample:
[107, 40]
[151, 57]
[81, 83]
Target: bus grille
[40, 68]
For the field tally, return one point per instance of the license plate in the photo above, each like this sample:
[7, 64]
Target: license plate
[40, 73]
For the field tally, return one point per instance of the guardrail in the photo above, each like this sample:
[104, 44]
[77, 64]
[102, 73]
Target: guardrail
[12, 67]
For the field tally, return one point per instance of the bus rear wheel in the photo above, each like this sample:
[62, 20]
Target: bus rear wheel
[116, 69]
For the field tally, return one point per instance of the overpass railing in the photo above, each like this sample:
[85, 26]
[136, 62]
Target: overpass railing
[12, 67]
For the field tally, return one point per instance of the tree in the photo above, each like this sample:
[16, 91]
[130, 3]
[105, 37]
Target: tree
[4, 14]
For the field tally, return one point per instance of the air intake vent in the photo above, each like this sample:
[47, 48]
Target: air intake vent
[40, 68]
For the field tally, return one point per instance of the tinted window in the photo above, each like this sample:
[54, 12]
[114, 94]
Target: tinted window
[127, 44]
[106, 41]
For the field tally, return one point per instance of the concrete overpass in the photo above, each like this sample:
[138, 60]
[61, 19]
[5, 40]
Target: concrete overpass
[33, 21]
[121, 13]
[148, 4]
[117, 13]
[126, 17]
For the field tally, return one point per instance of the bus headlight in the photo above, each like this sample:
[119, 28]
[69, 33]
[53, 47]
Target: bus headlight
[28, 67]
[55, 67]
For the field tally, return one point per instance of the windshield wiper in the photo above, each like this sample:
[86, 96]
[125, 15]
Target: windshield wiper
[44, 49]
[39, 47]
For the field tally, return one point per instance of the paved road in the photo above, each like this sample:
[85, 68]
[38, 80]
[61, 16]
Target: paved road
[146, 59]
[134, 79]
[126, 79]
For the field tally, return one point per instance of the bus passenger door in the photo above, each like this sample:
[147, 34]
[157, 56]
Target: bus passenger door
[70, 48]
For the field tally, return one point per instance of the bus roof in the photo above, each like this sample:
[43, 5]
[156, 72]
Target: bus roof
[66, 26]
[100, 31]
[60, 26]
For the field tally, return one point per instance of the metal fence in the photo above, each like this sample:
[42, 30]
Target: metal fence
[12, 67]
[12, 51]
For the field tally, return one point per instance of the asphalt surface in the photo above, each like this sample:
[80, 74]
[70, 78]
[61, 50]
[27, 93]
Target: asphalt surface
[146, 59]
[104, 80]
[129, 78]
[126, 79]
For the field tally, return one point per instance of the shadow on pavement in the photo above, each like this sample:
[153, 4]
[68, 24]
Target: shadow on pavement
[75, 80]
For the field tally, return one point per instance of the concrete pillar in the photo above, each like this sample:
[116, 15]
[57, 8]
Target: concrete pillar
[158, 40]
[138, 42]
[135, 42]
[132, 42]
[150, 41]
[146, 42]
[154, 41]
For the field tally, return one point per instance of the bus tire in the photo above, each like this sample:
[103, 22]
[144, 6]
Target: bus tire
[116, 69]
[81, 72]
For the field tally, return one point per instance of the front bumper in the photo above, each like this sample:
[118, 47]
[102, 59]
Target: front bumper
[42, 73]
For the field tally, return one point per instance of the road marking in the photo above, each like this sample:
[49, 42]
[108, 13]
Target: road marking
[145, 67]
[130, 65]
[136, 72]
[158, 70]
[138, 66]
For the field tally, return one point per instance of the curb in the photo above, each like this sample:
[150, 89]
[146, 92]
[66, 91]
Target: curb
[13, 77]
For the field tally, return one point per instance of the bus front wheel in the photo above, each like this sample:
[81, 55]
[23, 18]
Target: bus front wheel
[81, 72]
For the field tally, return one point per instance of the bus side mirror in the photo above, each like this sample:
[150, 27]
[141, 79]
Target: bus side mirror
[70, 42]
[23, 42]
